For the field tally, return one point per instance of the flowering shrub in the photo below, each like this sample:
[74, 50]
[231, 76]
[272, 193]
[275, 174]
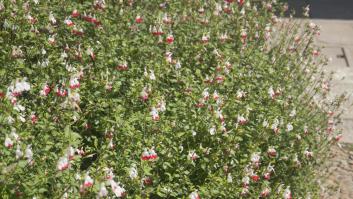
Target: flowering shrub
[154, 99]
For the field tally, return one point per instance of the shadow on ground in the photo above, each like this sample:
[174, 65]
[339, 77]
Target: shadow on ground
[325, 9]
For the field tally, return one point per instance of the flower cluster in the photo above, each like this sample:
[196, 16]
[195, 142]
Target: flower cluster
[161, 99]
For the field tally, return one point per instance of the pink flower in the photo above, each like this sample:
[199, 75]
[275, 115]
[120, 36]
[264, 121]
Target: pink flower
[45, 91]
[61, 92]
[34, 119]
[205, 39]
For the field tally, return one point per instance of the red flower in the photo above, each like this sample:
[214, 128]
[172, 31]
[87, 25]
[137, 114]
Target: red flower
[147, 181]
[255, 177]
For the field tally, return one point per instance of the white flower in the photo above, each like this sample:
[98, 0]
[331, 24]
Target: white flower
[133, 172]
[289, 127]
[19, 153]
[194, 195]
[293, 113]
[229, 178]
[22, 118]
[271, 92]
[152, 76]
[52, 18]
[213, 130]
[265, 124]
[10, 120]
[205, 94]
[102, 191]
[19, 108]
[178, 65]
[255, 158]
[287, 193]
[117, 189]
[193, 133]
[29, 153]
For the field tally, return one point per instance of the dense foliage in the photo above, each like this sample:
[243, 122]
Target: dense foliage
[154, 99]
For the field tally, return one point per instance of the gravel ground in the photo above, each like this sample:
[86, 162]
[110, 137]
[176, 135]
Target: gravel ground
[339, 169]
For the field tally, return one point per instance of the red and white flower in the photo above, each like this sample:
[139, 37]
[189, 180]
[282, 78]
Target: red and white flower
[45, 90]
[154, 114]
[117, 189]
[241, 120]
[149, 155]
[138, 19]
[205, 38]
[287, 193]
[192, 155]
[265, 193]
[144, 94]
[170, 39]
[63, 163]
[122, 66]
[75, 13]
[68, 22]
[88, 181]
[166, 19]
[8, 143]
[272, 152]
[74, 83]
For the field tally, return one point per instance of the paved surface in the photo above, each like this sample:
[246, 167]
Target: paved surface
[326, 9]
[337, 39]
[335, 18]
